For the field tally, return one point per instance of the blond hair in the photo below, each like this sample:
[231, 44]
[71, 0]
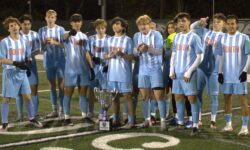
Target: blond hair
[100, 23]
[144, 19]
[51, 12]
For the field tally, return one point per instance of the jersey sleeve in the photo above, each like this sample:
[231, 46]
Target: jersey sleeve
[3, 50]
[36, 42]
[130, 46]
[158, 40]
[197, 45]
[27, 49]
[246, 46]
[62, 32]
[87, 44]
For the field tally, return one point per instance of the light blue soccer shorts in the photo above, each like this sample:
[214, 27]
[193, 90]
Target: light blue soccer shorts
[121, 87]
[234, 88]
[54, 72]
[73, 79]
[153, 81]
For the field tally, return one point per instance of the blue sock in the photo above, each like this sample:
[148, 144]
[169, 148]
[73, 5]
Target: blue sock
[66, 105]
[19, 106]
[83, 103]
[195, 112]
[245, 120]
[91, 108]
[30, 109]
[199, 100]
[61, 97]
[130, 118]
[53, 97]
[167, 102]
[135, 101]
[145, 109]
[180, 105]
[161, 106]
[35, 103]
[5, 112]
[214, 105]
[228, 118]
[153, 104]
[115, 117]
[125, 107]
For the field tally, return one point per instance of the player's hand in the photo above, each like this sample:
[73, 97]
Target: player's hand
[203, 21]
[111, 55]
[82, 42]
[96, 60]
[220, 78]
[119, 53]
[92, 74]
[105, 69]
[72, 32]
[186, 79]
[243, 77]
[172, 76]
[22, 65]
[187, 76]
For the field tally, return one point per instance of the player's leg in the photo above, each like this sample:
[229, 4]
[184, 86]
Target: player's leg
[115, 104]
[189, 122]
[34, 98]
[4, 114]
[91, 101]
[19, 105]
[153, 106]
[69, 90]
[60, 78]
[228, 112]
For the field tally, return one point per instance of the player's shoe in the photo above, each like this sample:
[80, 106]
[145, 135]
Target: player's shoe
[36, 123]
[67, 122]
[152, 120]
[213, 125]
[163, 126]
[53, 114]
[129, 125]
[243, 132]
[194, 132]
[145, 124]
[189, 124]
[227, 128]
[173, 121]
[116, 124]
[4, 127]
[88, 120]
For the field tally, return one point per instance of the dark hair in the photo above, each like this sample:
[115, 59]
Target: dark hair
[76, 18]
[181, 15]
[220, 16]
[9, 20]
[25, 17]
[170, 22]
[233, 17]
[124, 23]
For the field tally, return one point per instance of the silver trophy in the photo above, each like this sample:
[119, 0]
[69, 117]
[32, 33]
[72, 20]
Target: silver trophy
[105, 99]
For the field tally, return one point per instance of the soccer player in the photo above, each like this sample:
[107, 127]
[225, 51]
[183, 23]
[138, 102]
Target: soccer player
[186, 56]
[119, 56]
[148, 45]
[233, 69]
[51, 37]
[208, 69]
[35, 46]
[14, 55]
[98, 49]
[78, 70]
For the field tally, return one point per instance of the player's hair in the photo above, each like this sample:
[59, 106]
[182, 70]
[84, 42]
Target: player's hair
[233, 17]
[51, 12]
[182, 15]
[220, 16]
[144, 19]
[25, 17]
[124, 23]
[9, 20]
[100, 22]
[76, 18]
[152, 24]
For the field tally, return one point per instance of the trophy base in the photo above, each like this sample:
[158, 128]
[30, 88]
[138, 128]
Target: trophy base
[104, 126]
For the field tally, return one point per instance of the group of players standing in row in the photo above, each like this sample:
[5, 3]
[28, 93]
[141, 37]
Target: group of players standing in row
[186, 62]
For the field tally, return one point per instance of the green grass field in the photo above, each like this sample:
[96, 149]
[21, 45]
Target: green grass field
[208, 138]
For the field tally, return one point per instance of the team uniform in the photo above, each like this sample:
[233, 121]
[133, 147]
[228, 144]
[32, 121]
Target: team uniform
[76, 69]
[185, 49]
[54, 59]
[235, 51]
[98, 48]
[15, 80]
[35, 45]
[150, 71]
[208, 69]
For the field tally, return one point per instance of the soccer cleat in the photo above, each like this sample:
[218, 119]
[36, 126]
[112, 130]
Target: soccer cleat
[129, 125]
[163, 125]
[227, 128]
[116, 124]
[88, 120]
[145, 124]
[38, 117]
[152, 120]
[36, 123]
[181, 127]
[213, 125]
[61, 114]
[52, 115]
[173, 121]
[243, 132]
[4, 127]
[67, 122]
[194, 132]
[188, 124]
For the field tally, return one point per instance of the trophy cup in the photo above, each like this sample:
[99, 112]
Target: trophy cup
[104, 98]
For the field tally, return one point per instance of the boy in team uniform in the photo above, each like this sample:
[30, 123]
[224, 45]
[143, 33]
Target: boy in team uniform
[35, 46]
[233, 69]
[51, 37]
[119, 56]
[98, 49]
[186, 56]
[78, 70]
[148, 45]
[14, 55]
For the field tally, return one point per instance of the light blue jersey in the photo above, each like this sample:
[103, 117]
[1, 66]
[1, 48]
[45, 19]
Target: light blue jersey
[186, 46]
[53, 55]
[120, 69]
[149, 64]
[235, 49]
[76, 62]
